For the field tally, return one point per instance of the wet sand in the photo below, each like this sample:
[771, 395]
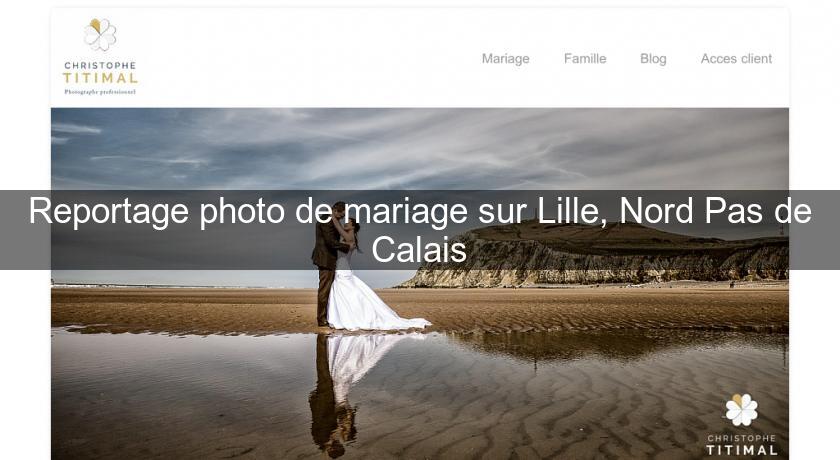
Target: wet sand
[276, 311]
[614, 394]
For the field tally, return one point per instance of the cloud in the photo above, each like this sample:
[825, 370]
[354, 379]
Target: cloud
[425, 148]
[171, 161]
[70, 128]
[411, 149]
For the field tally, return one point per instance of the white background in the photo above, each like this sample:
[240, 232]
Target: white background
[24, 146]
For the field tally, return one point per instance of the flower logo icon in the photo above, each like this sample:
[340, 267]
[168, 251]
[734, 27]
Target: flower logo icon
[99, 34]
[741, 410]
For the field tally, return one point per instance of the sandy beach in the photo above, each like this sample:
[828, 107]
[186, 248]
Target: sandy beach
[624, 372]
[277, 311]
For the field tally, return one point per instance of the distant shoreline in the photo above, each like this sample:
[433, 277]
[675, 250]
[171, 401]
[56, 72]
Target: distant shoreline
[682, 284]
[153, 286]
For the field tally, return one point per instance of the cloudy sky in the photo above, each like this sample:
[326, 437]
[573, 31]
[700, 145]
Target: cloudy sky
[415, 149]
[419, 148]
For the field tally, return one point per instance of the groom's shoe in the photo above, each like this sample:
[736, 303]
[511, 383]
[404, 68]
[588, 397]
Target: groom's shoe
[323, 325]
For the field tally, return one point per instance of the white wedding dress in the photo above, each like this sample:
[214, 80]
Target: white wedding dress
[353, 305]
[353, 356]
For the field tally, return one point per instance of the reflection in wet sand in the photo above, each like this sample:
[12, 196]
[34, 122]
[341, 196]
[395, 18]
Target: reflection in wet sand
[620, 345]
[340, 362]
[619, 394]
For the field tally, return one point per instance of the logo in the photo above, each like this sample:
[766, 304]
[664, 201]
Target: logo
[741, 410]
[99, 34]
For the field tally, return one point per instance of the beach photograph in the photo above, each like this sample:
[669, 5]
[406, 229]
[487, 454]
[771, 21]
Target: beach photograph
[548, 339]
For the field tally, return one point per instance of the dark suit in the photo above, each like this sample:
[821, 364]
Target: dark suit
[324, 255]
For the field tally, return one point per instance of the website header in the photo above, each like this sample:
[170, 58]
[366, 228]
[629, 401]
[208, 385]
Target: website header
[424, 57]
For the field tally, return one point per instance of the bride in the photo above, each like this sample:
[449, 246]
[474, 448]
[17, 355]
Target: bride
[352, 304]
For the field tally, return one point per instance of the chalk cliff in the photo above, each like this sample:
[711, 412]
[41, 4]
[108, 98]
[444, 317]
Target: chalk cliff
[531, 254]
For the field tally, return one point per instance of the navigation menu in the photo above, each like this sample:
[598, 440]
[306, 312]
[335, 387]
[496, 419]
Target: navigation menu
[589, 58]
[747, 58]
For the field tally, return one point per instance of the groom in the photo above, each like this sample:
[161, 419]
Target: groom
[327, 245]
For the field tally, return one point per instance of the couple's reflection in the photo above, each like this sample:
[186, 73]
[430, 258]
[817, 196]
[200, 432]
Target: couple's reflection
[340, 362]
